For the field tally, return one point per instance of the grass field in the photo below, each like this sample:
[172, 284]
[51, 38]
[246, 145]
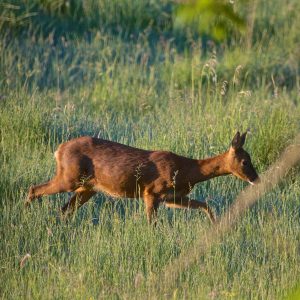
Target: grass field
[120, 70]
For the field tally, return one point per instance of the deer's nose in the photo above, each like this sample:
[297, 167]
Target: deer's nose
[255, 181]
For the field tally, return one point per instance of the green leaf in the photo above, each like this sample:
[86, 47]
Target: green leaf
[215, 17]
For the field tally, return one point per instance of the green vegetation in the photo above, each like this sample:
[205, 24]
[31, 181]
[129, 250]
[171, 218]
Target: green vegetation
[121, 70]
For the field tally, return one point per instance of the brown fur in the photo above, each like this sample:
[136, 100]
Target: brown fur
[87, 165]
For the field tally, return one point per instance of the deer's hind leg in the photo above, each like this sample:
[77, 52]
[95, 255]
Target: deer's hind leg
[81, 196]
[64, 181]
[67, 179]
[51, 187]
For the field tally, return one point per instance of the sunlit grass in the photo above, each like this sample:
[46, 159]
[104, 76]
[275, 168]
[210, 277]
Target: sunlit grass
[145, 90]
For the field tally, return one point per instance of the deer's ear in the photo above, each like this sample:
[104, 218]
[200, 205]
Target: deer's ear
[243, 139]
[235, 143]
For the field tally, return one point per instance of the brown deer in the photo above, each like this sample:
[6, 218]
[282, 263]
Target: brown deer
[87, 165]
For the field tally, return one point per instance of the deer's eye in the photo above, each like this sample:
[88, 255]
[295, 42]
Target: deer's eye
[244, 162]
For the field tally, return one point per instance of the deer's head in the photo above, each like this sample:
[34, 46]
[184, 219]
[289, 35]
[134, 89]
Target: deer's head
[239, 161]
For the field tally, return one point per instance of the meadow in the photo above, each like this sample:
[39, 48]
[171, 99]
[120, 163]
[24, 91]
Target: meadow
[122, 71]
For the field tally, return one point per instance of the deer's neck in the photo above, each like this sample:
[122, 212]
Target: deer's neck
[211, 167]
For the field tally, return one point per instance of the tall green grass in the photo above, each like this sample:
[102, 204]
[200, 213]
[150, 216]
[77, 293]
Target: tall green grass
[150, 90]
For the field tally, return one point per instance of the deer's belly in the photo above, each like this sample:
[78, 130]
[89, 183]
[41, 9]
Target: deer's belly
[118, 190]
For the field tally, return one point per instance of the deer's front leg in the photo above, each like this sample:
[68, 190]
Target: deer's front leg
[190, 203]
[151, 205]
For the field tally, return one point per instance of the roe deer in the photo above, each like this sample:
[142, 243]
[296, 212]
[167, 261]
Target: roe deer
[87, 165]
